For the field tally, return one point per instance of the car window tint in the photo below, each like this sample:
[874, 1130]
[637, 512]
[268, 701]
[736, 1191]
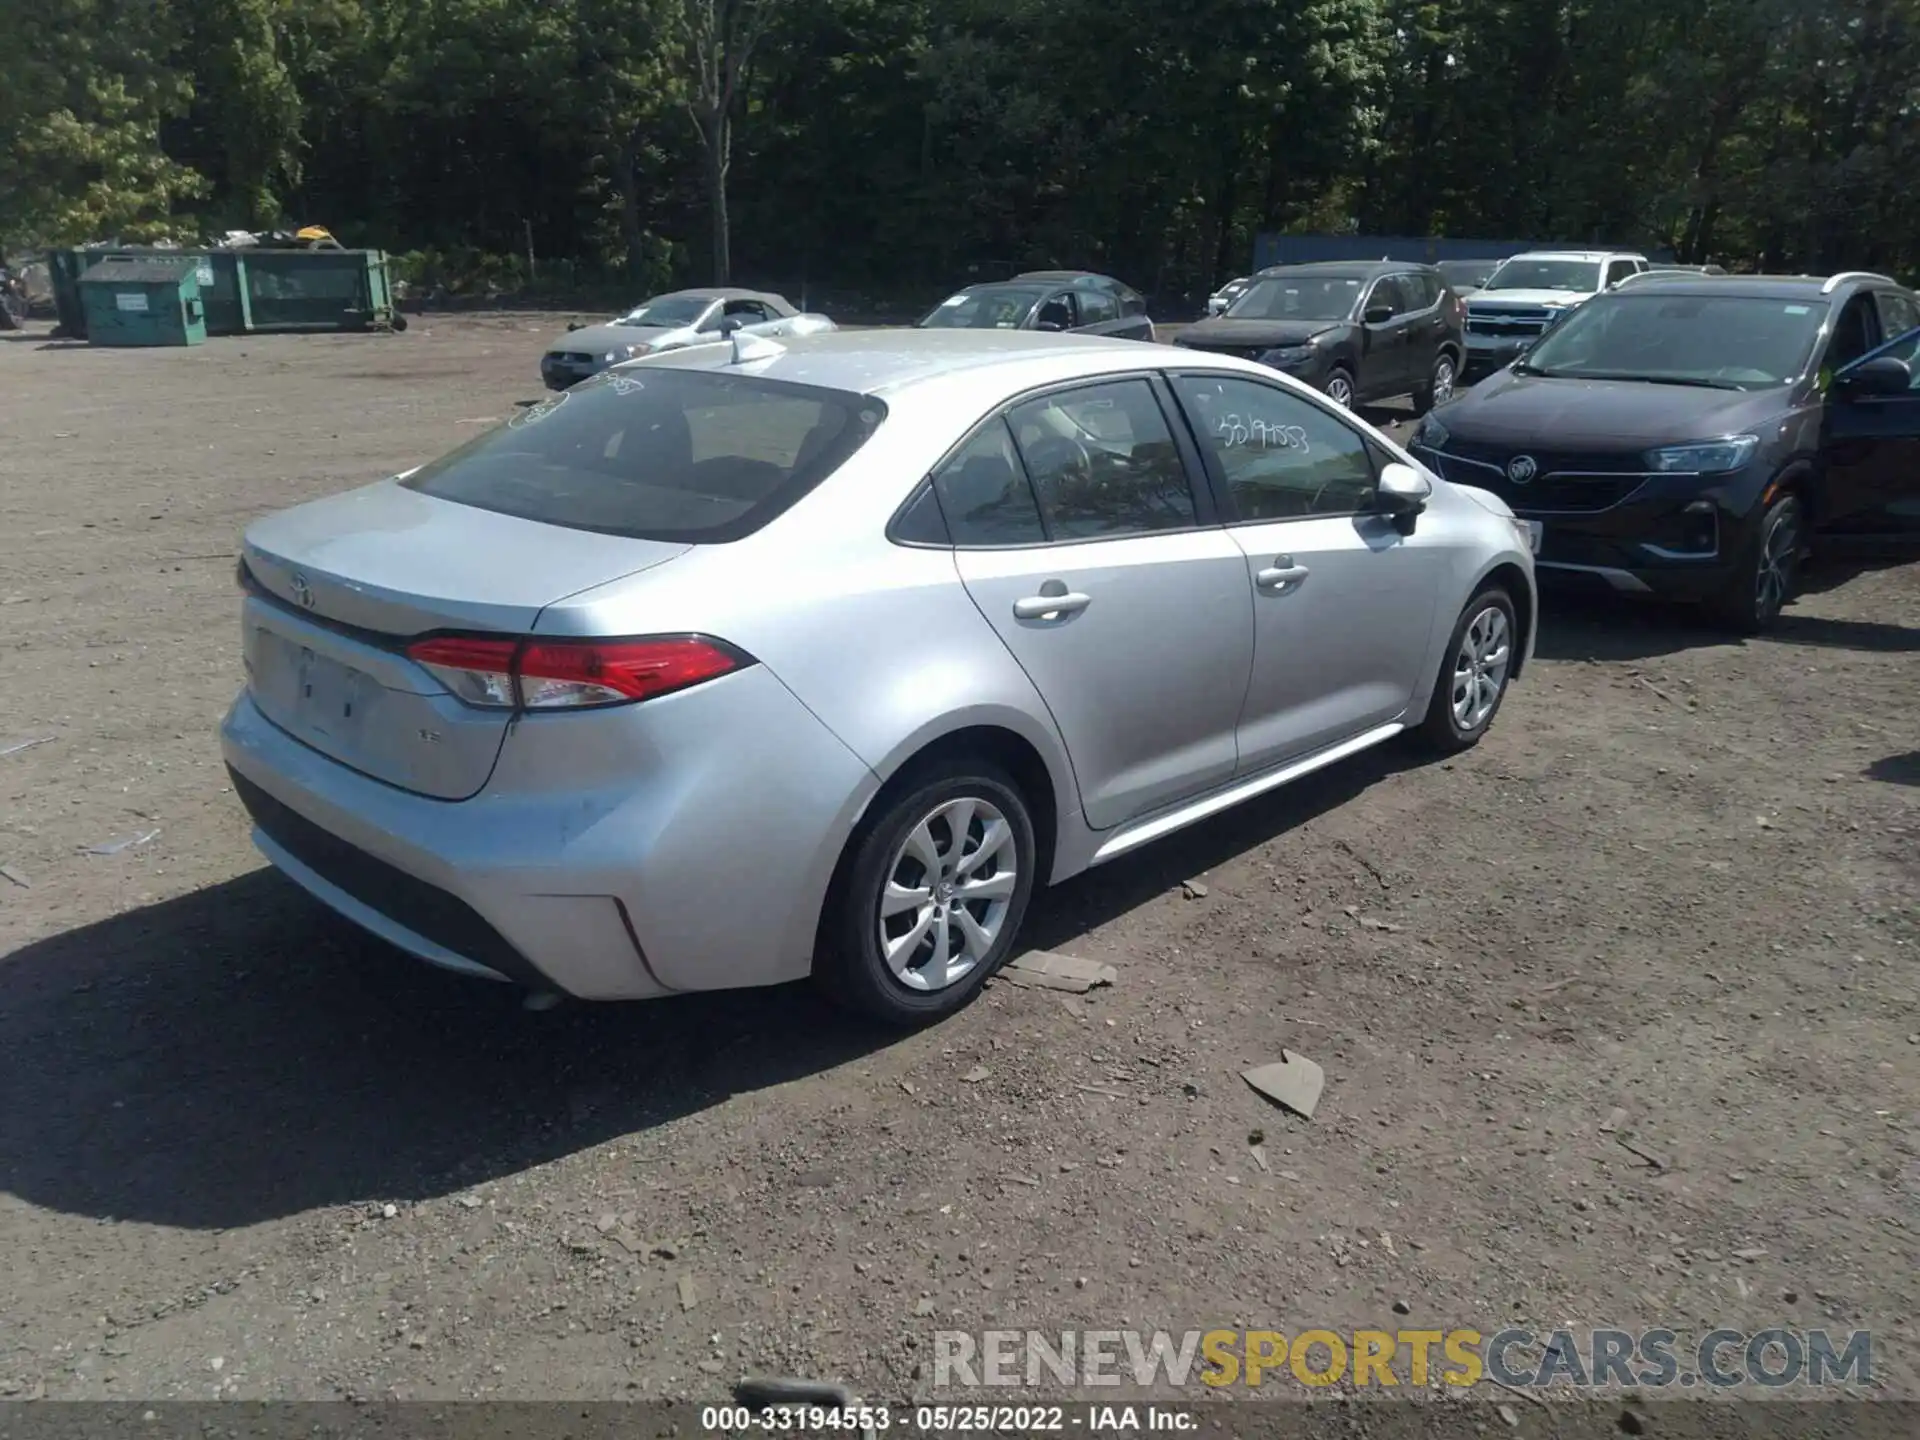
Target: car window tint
[920, 521]
[1284, 458]
[1387, 292]
[1618, 271]
[1853, 333]
[658, 454]
[1103, 462]
[1421, 290]
[1898, 314]
[984, 492]
[1097, 306]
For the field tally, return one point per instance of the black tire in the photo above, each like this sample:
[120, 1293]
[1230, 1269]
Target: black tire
[13, 312]
[1443, 731]
[850, 965]
[1330, 387]
[1440, 385]
[1767, 570]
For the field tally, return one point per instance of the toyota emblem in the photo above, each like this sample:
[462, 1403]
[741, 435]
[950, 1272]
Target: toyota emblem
[1522, 468]
[302, 592]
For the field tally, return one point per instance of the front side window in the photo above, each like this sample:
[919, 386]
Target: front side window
[750, 311]
[1097, 306]
[1898, 313]
[1388, 295]
[656, 454]
[1283, 458]
[1103, 462]
[1855, 332]
[1619, 270]
[1728, 342]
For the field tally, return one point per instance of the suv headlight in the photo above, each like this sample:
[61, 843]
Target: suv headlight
[1708, 457]
[626, 352]
[1287, 355]
[1431, 434]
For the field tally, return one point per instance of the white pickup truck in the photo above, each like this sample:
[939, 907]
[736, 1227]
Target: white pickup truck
[1529, 292]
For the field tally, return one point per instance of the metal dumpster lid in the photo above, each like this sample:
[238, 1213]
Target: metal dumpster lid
[147, 270]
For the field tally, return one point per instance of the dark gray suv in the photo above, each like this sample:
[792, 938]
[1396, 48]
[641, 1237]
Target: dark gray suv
[1699, 436]
[1358, 332]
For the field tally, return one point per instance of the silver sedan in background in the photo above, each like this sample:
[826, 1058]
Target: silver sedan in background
[669, 322]
[750, 662]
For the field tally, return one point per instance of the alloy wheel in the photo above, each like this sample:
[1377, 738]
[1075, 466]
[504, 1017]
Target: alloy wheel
[947, 891]
[1443, 377]
[1340, 391]
[1480, 668]
[1779, 550]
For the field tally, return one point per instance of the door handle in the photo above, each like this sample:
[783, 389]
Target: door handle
[1051, 607]
[1281, 573]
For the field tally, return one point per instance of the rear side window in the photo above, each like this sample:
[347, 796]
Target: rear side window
[1103, 462]
[659, 454]
[984, 492]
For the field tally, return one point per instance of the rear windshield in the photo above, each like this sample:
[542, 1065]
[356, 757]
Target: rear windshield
[658, 454]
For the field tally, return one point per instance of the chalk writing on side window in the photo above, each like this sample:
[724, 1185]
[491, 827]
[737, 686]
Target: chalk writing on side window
[1236, 432]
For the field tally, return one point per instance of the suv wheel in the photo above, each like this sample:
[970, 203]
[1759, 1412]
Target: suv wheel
[1339, 389]
[1439, 389]
[932, 896]
[1763, 581]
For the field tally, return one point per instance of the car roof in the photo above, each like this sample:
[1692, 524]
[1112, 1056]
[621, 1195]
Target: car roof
[1758, 287]
[1594, 255]
[715, 292]
[1345, 269]
[890, 362]
[1063, 275]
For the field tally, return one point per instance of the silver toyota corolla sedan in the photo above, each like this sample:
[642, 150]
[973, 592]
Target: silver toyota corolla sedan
[760, 660]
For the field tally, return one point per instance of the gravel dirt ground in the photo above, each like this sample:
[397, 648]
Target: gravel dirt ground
[246, 1152]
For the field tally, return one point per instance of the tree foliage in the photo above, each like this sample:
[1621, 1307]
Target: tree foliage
[902, 144]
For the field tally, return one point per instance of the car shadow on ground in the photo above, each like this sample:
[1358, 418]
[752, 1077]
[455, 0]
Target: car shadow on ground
[1896, 769]
[239, 1054]
[1061, 916]
[1579, 626]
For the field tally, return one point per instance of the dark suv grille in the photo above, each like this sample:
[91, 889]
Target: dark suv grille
[1562, 481]
[424, 909]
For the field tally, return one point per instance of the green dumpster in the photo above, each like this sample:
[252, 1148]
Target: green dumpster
[145, 301]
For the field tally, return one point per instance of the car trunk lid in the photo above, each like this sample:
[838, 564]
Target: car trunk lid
[339, 586]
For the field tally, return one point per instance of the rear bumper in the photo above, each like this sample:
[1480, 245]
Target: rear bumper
[630, 857]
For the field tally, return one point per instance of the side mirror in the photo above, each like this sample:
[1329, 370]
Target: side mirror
[1378, 314]
[1403, 494]
[1882, 375]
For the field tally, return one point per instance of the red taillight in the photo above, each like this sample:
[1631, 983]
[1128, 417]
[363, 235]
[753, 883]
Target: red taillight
[571, 674]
